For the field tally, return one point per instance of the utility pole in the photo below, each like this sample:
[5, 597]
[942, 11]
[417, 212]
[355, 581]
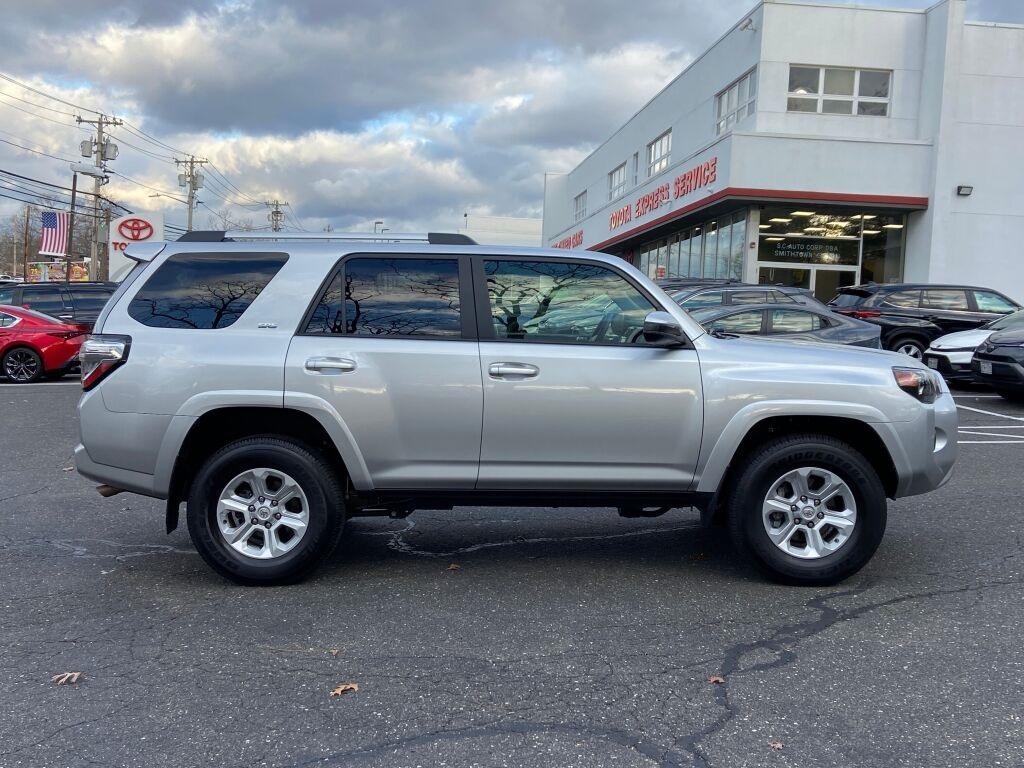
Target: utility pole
[192, 181]
[71, 231]
[101, 149]
[24, 251]
[276, 215]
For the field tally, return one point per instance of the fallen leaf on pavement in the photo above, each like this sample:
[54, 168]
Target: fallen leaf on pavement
[453, 567]
[68, 469]
[716, 679]
[334, 651]
[66, 678]
[776, 744]
[344, 688]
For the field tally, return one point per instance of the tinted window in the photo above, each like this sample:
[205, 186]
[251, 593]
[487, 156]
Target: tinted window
[43, 299]
[749, 297]
[848, 299]
[945, 299]
[563, 302]
[89, 299]
[988, 301]
[391, 297]
[794, 321]
[741, 322]
[903, 299]
[706, 299]
[203, 290]
[6, 320]
[6, 295]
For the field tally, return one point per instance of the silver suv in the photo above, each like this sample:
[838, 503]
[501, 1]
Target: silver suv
[279, 385]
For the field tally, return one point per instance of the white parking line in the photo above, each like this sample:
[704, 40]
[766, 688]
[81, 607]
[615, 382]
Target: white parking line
[978, 396]
[990, 442]
[1015, 438]
[4, 385]
[990, 413]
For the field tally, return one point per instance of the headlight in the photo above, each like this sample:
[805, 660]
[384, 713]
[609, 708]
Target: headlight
[917, 383]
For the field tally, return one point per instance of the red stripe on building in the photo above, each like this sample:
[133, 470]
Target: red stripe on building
[767, 195]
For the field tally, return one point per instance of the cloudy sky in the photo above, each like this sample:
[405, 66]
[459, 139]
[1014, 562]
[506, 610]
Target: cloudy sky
[403, 110]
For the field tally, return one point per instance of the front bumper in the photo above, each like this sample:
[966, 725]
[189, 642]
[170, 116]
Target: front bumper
[1007, 368]
[925, 448]
[954, 366]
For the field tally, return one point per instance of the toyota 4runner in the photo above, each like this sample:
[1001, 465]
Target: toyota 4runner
[278, 385]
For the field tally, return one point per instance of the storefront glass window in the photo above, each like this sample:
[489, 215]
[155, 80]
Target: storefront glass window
[710, 249]
[739, 245]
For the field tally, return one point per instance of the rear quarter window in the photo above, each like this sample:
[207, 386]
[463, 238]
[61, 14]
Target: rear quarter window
[204, 290]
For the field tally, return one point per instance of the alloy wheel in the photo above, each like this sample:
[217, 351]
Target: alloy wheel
[262, 513]
[21, 365]
[809, 513]
[911, 350]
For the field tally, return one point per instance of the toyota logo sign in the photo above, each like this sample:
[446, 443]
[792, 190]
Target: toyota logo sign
[135, 229]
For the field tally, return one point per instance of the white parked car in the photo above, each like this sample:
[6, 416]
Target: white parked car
[951, 354]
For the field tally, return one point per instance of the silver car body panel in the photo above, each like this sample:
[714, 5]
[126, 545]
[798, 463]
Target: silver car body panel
[428, 414]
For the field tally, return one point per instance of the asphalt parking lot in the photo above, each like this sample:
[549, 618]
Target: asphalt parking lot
[506, 636]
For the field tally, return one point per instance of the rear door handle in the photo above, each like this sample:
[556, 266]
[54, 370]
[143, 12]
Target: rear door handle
[512, 371]
[330, 365]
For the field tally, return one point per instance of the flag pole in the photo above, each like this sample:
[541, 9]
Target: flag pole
[71, 229]
[24, 252]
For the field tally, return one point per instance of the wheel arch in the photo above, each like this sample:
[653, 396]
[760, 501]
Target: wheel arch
[858, 433]
[219, 426]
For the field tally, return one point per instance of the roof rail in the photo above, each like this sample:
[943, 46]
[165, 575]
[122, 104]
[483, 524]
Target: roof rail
[433, 238]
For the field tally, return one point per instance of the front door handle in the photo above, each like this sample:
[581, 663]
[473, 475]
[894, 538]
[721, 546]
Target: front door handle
[512, 371]
[330, 365]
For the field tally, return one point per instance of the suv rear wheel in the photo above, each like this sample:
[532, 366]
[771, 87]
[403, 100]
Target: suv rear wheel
[908, 345]
[265, 510]
[807, 509]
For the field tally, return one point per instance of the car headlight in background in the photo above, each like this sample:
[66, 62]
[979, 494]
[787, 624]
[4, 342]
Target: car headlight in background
[918, 383]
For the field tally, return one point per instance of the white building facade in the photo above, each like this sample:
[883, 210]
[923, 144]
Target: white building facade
[819, 145]
[501, 230]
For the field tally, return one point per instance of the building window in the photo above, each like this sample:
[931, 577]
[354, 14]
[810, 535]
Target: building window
[735, 102]
[658, 153]
[617, 182]
[838, 91]
[636, 168]
[579, 206]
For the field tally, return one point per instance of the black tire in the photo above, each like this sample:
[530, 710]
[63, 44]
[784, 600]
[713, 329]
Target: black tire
[1013, 395]
[22, 365]
[908, 341]
[770, 461]
[319, 480]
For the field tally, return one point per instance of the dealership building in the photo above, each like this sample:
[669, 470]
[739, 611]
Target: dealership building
[819, 145]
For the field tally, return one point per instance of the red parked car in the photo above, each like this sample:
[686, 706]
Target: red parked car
[33, 345]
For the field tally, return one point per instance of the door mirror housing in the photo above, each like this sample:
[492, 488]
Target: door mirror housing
[663, 330]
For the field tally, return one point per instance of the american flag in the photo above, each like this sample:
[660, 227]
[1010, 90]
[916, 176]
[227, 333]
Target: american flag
[55, 234]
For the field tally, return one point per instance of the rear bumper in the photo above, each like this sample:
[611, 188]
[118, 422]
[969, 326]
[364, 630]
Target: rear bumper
[126, 479]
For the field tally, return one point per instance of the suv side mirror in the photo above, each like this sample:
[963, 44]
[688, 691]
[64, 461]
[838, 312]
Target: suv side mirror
[663, 330]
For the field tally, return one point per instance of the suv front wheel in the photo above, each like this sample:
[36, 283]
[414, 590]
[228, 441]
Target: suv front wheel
[265, 510]
[807, 509]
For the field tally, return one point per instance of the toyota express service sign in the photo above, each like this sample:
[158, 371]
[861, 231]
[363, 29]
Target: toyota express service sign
[133, 228]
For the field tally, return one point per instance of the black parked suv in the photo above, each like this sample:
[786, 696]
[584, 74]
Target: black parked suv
[913, 314]
[73, 302]
[999, 362]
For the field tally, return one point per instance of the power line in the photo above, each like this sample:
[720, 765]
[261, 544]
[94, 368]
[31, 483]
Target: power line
[36, 151]
[154, 155]
[27, 87]
[34, 104]
[42, 205]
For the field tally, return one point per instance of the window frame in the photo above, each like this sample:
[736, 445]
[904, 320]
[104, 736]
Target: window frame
[616, 190]
[466, 297]
[485, 327]
[725, 121]
[854, 99]
[579, 212]
[663, 161]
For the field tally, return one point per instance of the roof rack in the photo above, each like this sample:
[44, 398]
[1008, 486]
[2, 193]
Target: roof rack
[433, 238]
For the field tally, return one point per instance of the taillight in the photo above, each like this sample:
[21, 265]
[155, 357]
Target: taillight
[101, 355]
[65, 334]
[864, 314]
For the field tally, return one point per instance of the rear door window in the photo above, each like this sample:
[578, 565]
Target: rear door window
[903, 300]
[49, 299]
[794, 321]
[948, 299]
[372, 296]
[749, 297]
[203, 290]
[90, 299]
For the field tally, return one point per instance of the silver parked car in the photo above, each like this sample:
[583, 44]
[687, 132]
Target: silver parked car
[793, 322]
[280, 385]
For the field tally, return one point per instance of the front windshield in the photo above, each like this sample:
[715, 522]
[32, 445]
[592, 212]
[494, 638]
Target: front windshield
[1012, 320]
